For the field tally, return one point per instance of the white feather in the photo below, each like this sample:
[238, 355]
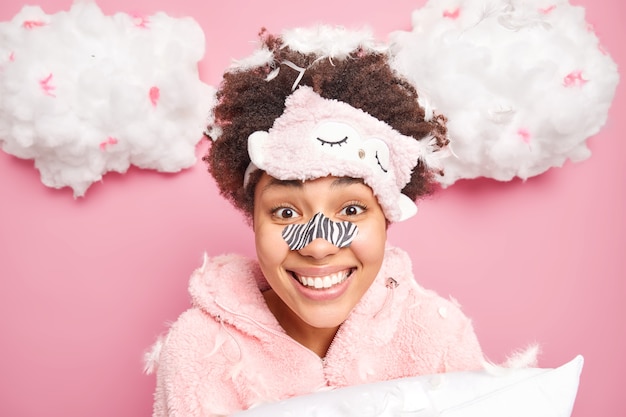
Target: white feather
[258, 58]
[519, 359]
[330, 41]
[151, 357]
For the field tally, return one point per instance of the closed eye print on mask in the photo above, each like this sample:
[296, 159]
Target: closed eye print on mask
[332, 143]
[332, 134]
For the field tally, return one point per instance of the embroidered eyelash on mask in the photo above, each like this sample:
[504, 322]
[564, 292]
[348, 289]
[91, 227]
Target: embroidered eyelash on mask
[340, 234]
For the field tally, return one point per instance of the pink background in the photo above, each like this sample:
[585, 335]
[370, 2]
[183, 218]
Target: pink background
[87, 285]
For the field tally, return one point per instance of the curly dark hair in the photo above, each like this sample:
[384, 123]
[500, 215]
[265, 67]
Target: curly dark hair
[247, 102]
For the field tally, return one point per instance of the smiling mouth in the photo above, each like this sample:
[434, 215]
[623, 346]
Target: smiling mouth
[325, 282]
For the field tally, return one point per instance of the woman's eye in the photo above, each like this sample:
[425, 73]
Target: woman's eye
[352, 210]
[285, 213]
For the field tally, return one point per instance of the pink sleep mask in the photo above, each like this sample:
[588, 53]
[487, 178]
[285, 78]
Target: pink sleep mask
[317, 137]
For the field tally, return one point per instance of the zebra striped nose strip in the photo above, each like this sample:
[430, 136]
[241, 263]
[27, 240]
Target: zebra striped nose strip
[340, 234]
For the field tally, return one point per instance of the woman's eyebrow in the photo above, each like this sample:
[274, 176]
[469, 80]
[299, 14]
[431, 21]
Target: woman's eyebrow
[282, 183]
[345, 181]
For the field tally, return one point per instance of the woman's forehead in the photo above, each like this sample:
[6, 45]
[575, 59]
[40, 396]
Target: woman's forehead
[269, 182]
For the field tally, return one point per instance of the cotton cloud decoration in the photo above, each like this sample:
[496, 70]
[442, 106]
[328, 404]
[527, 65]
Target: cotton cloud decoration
[514, 392]
[83, 94]
[524, 83]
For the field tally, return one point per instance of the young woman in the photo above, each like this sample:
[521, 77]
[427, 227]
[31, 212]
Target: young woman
[321, 145]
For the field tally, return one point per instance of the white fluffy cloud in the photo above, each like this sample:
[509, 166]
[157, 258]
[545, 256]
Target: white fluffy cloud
[524, 83]
[82, 93]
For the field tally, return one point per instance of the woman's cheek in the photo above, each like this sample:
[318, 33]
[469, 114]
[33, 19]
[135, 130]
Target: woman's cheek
[270, 245]
[369, 243]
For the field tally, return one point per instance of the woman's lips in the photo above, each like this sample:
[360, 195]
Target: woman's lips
[326, 281]
[322, 281]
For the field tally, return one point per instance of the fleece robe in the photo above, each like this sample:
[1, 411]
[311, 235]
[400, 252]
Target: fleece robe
[228, 352]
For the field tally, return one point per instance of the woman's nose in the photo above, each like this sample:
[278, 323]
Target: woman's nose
[319, 248]
[338, 234]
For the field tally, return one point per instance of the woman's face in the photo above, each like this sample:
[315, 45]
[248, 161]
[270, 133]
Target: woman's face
[344, 273]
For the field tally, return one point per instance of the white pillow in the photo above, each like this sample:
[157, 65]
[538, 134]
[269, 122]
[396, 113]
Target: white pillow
[536, 392]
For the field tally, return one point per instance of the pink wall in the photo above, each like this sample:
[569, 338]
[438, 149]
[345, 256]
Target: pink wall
[86, 285]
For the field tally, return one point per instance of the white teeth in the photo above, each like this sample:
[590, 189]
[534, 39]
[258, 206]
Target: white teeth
[324, 282]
